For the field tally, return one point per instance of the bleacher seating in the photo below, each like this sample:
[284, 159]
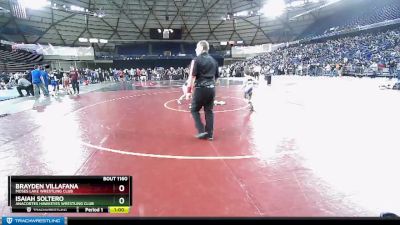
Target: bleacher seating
[158, 48]
[189, 48]
[14, 67]
[366, 54]
[17, 61]
[137, 49]
[351, 16]
[19, 56]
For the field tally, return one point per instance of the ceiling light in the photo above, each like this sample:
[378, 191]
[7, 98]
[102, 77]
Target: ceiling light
[93, 40]
[241, 14]
[77, 8]
[296, 3]
[83, 40]
[34, 4]
[274, 8]
[103, 41]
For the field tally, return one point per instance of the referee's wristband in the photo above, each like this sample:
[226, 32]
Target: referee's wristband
[189, 90]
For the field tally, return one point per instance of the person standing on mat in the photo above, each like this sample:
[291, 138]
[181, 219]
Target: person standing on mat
[202, 77]
[74, 75]
[38, 82]
[184, 90]
[45, 76]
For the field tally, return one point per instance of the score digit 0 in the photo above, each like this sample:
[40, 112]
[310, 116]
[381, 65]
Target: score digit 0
[121, 188]
[121, 200]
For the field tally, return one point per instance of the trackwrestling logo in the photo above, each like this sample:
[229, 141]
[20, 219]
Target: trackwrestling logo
[33, 220]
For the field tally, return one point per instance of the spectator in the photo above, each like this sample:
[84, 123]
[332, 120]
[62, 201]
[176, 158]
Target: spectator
[392, 68]
[356, 52]
[46, 77]
[24, 84]
[74, 75]
[38, 82]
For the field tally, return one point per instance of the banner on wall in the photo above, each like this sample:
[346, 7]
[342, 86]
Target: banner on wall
[72, 52]
[247, 51]
[58, 52]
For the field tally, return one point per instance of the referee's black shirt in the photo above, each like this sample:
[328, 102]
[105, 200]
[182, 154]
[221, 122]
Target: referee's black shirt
[205, 69]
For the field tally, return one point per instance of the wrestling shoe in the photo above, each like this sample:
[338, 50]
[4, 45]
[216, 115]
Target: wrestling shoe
[203, 135]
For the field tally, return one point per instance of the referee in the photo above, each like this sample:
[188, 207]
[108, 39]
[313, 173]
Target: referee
[202, 77]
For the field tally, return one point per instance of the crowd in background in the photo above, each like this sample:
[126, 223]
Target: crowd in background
[363, 54]
[137, 74]
[367, 53]
[43, 80]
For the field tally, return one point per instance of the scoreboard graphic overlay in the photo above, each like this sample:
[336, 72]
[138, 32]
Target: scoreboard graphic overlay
[70, 194]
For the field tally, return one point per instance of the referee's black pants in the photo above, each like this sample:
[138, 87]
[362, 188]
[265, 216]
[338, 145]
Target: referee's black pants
[75, 86]
[203, 97]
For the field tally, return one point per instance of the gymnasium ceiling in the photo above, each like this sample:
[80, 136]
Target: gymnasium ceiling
[126, 21]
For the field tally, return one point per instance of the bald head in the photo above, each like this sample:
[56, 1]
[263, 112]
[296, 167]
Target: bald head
[202, 47]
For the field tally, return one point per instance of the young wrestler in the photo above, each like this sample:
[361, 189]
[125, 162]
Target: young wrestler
[66, 82]
[248, 87]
